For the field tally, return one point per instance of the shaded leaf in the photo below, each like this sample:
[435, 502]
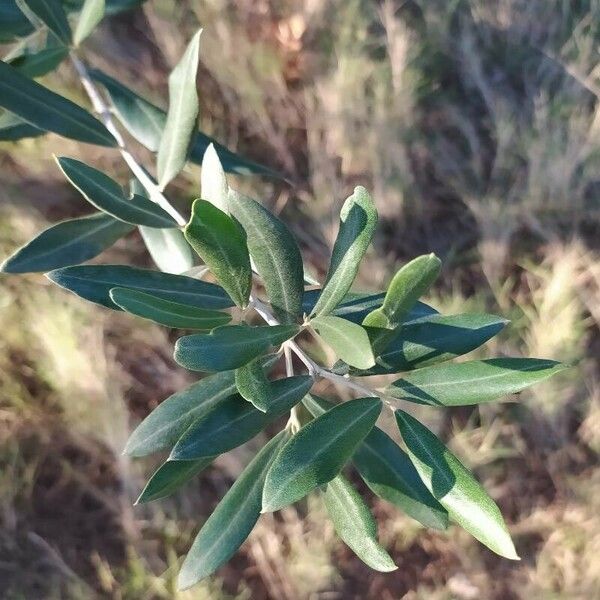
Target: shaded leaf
[91, 14]
[472, 382]
[229, 347]
[52, 14]
[168, 249]
[106, 194]
[13, 128]
[67, 243]
[455, 487]
[94, 282]
[146, 122]
[254, 385]
[221, 243]
[358, 219]
[161, 429]
[234, 421]
[389, 473]
[433, 340]
[407, 286]
[167, 312]
[46, 110]
[317, 453]
[181, 116]
[170, 476]
[349, 340]
[232, 521]
[355, 524]
[37, 64]
[276, 256]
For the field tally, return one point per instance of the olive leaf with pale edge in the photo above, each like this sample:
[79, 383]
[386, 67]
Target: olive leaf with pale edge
[221, 243]
[358, 219]
[472, 382]
[233, 519]
[317, 453]
[355, 524]
[455, 487]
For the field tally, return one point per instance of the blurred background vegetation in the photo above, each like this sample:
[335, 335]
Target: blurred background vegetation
[476, 125]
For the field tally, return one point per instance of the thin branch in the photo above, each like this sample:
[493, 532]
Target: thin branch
[105, 115]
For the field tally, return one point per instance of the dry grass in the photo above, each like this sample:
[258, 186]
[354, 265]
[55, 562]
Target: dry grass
[476, 125]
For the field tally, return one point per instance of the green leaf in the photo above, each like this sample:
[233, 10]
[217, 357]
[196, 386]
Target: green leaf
[472, 382]
[276, 256]
[46, 110]
[232, 521]
[355, 524]
[106, 194]
[221, 243]
[455, 487]
[229, 347]
[161, 429]
[213, 184]
[349, 340]
[39, 63]
[389, 473]
[13, 128]
[234, 421]
[433, 340]
[67, 243]
[91, 14]
[52, 14]
[407, 286]
[356, 306]
[146, 122]
[182, 114]
[317, 453]
[358, 219]
[168, 249]
[166, 312]
[94, 282]
[170, 476]
[254, 385]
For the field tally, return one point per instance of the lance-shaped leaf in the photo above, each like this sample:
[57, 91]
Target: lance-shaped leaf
[146, 122]
[355, 524]
[168, 249]
[52, 14]
[233, 519]
[349, 341]
[106, 194]
[254, 385]
[170, 476]
[67, 243]
[356, 306]
[229, 347]
[213, 184]
[94, 282]
[472, 382]
[166, 312]
[433, 340]
[276, 256]
[455, 487]
[161, 429]
[46, 110]
[37, 64]
[234, 421]
[389, 472]
[407, 286]
[317, 453]
[91, 14]
[14, 128]
[358, 219]
[181, 116]
[221, 243]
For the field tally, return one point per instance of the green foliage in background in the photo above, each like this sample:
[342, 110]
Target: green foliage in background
[258, 272]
